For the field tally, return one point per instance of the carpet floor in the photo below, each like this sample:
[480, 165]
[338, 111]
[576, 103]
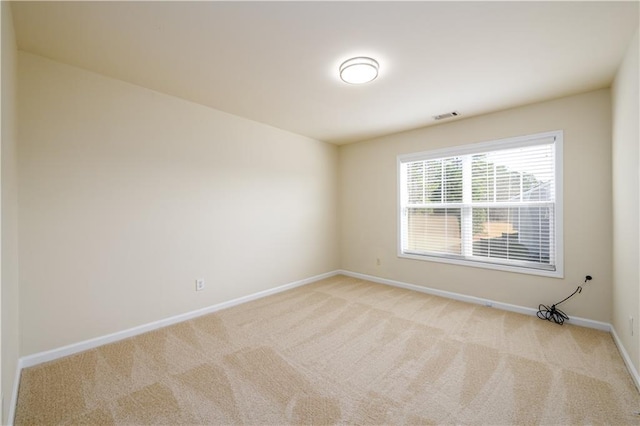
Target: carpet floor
[341, 351]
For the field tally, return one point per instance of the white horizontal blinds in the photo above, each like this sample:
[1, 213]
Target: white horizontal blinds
[514, 175]
[433, 209]
[514, 192]
[509, 205]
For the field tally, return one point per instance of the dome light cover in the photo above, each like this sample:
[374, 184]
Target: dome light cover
[359, 70]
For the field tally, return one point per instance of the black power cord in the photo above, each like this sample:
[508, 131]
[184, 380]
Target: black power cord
[554, 314]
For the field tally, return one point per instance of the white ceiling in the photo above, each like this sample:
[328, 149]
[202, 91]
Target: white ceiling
[277, 62]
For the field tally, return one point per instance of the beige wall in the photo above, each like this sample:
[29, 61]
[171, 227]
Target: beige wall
[128, 195]
[9, 231]
[626, 202]
[368, 206]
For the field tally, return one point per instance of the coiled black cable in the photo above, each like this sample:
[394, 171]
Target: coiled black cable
[554, 314]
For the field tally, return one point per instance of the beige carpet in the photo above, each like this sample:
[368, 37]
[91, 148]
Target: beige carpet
[343, 351]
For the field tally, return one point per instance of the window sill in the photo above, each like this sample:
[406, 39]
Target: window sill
[558, 273]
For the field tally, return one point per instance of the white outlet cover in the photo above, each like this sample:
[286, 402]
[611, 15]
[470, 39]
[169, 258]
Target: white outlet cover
[199, 284]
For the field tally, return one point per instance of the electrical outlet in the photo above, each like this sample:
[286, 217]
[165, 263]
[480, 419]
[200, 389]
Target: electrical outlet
[631, 325]
[378, 261]
[199, 284]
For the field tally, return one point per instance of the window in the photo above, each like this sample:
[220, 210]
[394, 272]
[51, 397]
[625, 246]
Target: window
[494, 205]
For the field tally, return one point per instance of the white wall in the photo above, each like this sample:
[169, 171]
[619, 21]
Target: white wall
[128, 195]
[626, 202]
[368, 206]
[9, 230]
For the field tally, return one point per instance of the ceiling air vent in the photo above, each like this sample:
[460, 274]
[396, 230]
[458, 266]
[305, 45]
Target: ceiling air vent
[447, 115]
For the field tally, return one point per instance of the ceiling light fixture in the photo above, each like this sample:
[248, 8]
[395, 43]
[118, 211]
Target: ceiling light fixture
[359, 70]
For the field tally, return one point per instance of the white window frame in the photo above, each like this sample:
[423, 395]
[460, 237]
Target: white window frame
[477, 148]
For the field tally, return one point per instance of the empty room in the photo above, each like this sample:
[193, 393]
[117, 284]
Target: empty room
[272, 213]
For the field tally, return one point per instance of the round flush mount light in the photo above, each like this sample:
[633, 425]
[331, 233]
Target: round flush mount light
[359, 70]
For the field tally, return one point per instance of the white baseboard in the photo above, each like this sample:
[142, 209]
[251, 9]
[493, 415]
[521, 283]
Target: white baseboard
[41, 357]
[14, 394]
[472, 299]
[627, 359]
